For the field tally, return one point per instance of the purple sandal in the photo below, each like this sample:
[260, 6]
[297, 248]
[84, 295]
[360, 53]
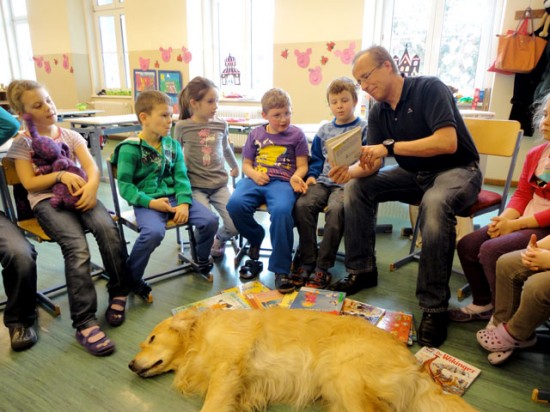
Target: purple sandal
[113, 315]
[101, 347]
[499, 340]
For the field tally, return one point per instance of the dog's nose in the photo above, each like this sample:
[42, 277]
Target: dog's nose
[131, 366]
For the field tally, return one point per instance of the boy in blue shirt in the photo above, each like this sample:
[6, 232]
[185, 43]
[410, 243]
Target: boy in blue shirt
[275, 160]
[323, 193]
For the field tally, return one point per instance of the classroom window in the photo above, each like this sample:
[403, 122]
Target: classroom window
[15, 42]
[112, 50]
[451, 37]
[236, 40]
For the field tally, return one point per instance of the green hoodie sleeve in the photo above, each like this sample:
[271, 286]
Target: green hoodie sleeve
[182, 183]
[127, 159]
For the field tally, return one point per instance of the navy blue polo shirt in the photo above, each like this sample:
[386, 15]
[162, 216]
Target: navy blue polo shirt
[426, 105]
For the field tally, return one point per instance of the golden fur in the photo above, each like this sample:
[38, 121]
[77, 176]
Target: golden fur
[242, 360]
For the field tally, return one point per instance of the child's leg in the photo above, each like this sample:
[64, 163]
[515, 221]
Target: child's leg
[206, 224]
[65, 228]
[152, 225]
[306, 214]
[334, 229]
[241, 207]
[280, 199]
[113, 251]
[534, 307]
[219, 199]
[511, 274]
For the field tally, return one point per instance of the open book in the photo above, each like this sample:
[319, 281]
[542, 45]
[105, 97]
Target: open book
[344, 149]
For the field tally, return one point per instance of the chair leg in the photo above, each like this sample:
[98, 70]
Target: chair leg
[413, 254]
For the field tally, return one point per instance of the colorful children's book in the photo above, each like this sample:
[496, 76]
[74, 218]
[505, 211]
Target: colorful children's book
[397, 323]
[363, 310]
[244, 289]
[452, 374]
[344, 149]
[319, 299]
[224, 300]
[269, 298]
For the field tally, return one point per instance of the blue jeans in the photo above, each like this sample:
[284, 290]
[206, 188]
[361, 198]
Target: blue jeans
[279, 197]
[306, 213]
[152, 228]
[218, 198]
[68, 230]
[443, 195]
[18, 258]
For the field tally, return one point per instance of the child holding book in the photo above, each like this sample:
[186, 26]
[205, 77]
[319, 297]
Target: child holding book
[323, 193]
[67, 227]
[152, 177]
[275, 162]
[204, 138]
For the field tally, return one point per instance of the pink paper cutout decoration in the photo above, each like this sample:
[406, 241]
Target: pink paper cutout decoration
[315, 75]
[302, 57]
[166, 54]
[346, 55]
[144, 63]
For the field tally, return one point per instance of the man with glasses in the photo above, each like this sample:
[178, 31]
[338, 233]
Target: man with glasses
[416, 121]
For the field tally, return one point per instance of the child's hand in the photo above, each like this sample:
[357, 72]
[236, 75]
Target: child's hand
[534, 257]
[298, 184]
[311, 181]
[73, 182]
[88, 198]
[340, 174]
[234, 172]
[162, 204]
[500, 226]
[260, 178]
[181, 213]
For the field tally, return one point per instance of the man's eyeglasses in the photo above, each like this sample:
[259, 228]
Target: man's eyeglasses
[365, 77]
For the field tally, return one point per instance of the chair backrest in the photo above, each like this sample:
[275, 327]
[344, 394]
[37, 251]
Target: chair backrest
[21, 214]
[495, 137]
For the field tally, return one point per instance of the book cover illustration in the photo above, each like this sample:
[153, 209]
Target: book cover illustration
[345, 149]
[319, 299]
[270, 298]
[363, 310]
[244, 289]
[397, 323]
[224, 300]
[452, 374]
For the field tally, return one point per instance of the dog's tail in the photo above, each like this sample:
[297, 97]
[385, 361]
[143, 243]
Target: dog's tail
[31, 127]
[429, 397]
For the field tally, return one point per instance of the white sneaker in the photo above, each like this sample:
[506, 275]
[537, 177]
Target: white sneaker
[218, 248]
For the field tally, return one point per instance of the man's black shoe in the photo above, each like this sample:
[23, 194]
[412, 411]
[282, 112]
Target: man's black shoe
[22, 337]
[354, 282]
[433, 329]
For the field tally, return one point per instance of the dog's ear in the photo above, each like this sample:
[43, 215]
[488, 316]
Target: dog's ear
[184, 321]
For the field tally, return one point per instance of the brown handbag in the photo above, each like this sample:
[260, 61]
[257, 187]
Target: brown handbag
[519, 52]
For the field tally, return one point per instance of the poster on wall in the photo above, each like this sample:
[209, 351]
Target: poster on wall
[170, 82]
[144, 80]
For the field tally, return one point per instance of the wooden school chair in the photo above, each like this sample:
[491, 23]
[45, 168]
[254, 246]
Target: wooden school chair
[22, 216]
[492, 137]
[186, 264]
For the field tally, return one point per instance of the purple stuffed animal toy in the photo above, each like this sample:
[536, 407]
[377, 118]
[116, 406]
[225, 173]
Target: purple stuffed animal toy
[49, 157]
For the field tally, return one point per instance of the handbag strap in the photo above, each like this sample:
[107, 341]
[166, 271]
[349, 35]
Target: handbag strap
[522, 28]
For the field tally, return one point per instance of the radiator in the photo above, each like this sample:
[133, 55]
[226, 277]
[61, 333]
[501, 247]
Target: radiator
[111, 108]
[239, 112]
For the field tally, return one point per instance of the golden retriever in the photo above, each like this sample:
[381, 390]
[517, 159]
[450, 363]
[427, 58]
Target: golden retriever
[243, 360]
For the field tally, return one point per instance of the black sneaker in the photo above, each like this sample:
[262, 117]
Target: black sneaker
[319, 279]
[283, 283]
[355, 282]
[22, 337]
[144, 292]
[433, 329]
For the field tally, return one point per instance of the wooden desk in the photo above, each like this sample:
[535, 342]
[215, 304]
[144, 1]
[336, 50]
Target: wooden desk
[94, 130]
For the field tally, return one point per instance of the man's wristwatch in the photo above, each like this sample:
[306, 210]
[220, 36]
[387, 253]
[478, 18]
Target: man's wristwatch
[388, 144]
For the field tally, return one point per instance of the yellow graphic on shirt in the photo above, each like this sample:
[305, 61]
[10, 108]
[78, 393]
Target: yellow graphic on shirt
[269, 156]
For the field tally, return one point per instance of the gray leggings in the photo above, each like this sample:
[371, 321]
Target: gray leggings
[522, 296]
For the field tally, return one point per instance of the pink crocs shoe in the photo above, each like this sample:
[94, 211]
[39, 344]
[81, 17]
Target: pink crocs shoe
[499, 340]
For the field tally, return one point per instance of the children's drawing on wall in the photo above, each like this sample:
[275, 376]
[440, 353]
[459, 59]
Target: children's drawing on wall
[346, 55]
[144, 63]
[409, 67]
[144, 80]
[165, 54]
[315, 75]
[230, 75]
[302, 58]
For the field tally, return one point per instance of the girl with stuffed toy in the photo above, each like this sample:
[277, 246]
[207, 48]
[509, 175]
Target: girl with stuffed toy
[67, 227]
